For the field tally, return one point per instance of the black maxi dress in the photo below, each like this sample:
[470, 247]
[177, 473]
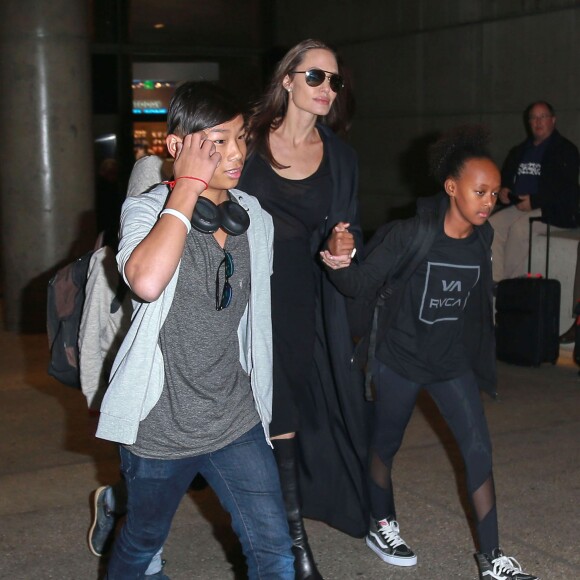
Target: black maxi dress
[297, 207]
[313, 392]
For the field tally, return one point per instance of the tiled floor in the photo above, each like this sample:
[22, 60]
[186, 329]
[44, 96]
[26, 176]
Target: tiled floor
[49, 463]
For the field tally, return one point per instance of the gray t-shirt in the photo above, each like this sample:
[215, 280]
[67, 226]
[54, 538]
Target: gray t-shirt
[207, 400]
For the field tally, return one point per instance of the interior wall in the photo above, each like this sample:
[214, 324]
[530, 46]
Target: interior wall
[422, 66]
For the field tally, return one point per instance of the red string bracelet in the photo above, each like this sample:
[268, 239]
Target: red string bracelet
[172, 183]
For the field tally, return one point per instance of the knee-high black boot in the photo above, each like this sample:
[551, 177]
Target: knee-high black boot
[304, 565]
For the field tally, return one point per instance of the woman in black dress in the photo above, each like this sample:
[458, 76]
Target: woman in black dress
[306, 178]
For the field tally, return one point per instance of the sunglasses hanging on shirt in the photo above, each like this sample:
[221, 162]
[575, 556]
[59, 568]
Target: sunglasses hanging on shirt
[224, 298]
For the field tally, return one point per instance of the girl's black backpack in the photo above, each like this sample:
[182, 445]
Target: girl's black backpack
[364, 314]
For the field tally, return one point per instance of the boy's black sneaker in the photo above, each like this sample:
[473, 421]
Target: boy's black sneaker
[385, 541]
[499, 567]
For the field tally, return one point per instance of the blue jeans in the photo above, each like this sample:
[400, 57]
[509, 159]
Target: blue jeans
[243, 475]
[116, 501]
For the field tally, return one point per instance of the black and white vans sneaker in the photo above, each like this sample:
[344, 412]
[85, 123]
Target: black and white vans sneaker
[384, 540]
[499, 567]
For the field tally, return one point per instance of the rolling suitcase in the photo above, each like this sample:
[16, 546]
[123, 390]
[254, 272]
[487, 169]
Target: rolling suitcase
[528, 316]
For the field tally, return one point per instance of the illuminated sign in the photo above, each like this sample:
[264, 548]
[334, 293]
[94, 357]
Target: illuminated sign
[149, 107]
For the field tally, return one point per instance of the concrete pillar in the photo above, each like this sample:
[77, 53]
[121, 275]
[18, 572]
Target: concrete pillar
[46, 150]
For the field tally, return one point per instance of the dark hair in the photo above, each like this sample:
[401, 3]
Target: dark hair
[448, 155]
[200, 105]
[268, 113]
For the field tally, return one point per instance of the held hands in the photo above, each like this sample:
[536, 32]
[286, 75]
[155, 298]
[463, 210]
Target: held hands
[195, 156]
[341, 248]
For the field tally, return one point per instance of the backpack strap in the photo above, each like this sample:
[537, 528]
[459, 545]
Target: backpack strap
[423, 237]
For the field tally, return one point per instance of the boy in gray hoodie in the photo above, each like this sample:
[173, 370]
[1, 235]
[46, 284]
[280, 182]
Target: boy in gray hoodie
[191, 386]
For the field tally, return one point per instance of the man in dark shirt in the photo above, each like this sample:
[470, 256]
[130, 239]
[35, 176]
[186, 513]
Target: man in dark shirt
[539, 178]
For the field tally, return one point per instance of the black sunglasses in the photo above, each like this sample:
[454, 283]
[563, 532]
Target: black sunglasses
[224, 298]
[315, 77]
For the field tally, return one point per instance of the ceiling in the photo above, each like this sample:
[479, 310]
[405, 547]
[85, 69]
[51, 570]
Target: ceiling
[185, 25]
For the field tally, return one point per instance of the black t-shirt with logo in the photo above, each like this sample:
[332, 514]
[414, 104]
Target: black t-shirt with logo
[425, 344]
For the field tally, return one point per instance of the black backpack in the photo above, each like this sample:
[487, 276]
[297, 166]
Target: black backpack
[64, 309]
[364, 313]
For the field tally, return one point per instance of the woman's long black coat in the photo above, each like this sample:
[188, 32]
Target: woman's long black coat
[335, 424]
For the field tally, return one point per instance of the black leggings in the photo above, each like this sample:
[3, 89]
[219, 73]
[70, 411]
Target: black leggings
[460, 404]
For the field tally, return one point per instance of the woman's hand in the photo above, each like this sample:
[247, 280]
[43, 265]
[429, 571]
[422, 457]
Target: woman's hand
[334, 262]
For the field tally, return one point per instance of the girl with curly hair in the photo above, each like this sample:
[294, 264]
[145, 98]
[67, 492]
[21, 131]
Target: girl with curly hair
[437, 335]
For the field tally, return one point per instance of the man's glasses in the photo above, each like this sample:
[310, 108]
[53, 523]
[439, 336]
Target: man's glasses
[539, 117]
[224, 298]
[315, 77]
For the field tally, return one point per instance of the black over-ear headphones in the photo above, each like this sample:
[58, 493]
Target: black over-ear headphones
[230, 216]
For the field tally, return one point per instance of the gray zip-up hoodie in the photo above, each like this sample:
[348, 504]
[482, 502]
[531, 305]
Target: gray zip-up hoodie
[137, 375]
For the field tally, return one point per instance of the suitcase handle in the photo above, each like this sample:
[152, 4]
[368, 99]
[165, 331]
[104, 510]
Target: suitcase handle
[532, 220]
